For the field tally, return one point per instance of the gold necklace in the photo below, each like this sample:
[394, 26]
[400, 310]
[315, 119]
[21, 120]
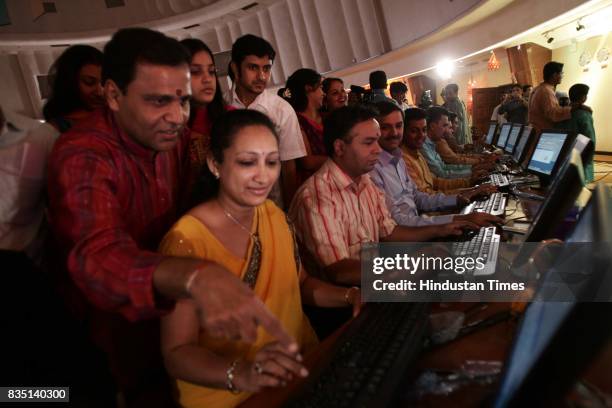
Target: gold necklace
[250, 276]
[235, 221]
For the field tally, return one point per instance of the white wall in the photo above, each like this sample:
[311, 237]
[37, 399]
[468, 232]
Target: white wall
[407, 21]
[13, 94]
[479, 30]
[597, 78]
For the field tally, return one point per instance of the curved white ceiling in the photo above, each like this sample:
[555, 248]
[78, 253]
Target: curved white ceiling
[92, 21]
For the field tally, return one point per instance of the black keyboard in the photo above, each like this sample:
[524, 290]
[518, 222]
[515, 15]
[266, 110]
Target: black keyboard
[369, 360]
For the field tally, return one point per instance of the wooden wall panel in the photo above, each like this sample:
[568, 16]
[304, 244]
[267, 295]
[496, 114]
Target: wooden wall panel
[527, 62]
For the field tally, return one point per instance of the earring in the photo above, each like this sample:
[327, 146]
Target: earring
[216, 175]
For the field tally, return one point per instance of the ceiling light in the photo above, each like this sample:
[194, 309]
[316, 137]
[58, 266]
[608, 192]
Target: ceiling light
[445, 69]
[549, 39]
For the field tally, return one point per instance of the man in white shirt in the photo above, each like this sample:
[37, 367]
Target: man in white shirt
[250, 70]
[398, 91]
[496, 116]
[25, 145]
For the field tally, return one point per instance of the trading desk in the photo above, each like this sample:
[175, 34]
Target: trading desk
[489, 344]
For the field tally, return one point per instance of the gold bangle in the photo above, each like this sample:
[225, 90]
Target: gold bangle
[190, 280]
[346, 294]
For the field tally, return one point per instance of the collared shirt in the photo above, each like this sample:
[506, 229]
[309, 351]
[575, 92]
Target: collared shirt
[418, 171]
[111, 201]
[403, 198]
[449, 156]
[290, 145]
[335, 216]
[24, 150]
[379, 95]
[544, 108]
[437, 165]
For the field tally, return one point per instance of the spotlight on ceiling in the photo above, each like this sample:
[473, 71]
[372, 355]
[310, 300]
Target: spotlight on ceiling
[579, 26]
[549, 39]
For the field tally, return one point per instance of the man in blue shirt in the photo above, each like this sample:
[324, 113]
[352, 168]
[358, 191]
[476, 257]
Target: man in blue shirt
[378, 84]
[437, 125]
[403, 198]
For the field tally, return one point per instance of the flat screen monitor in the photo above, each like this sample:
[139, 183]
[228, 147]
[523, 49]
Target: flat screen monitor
[522, 143]
[503, 135]
[595, 221]
[549, 152]
[491, 133]
[513, 137]
[547, 356]
[562, 195]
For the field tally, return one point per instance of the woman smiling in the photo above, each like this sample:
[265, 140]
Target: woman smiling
[237, 227]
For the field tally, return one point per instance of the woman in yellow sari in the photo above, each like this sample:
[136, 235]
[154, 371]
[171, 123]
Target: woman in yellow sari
[236, 227]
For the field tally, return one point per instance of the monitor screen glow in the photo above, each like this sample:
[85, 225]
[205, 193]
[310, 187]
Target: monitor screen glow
[514, 133]
[547, 152]
[522, 143]
[491, 133]
[503, 135]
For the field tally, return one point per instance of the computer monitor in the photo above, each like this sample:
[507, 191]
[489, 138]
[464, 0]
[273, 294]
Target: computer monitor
[521, 148]
[491, 133]
[503, 135]
[595, 221]
[549, 153]
[562, 195]
[513, 137]
[547, 354]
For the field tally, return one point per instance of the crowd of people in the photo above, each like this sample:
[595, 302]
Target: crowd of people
[168, 236]
[546, 108]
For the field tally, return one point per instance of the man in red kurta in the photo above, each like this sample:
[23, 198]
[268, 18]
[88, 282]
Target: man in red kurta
[114, 190]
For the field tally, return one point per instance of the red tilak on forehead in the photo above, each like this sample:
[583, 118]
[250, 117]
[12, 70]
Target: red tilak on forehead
[179, 92]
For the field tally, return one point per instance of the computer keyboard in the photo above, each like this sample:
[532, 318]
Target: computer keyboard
[484, 245]
[369, 360]
[495, 205]
[499, 180]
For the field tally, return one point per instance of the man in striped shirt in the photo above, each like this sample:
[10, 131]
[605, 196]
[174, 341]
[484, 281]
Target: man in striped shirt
[339, 209]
